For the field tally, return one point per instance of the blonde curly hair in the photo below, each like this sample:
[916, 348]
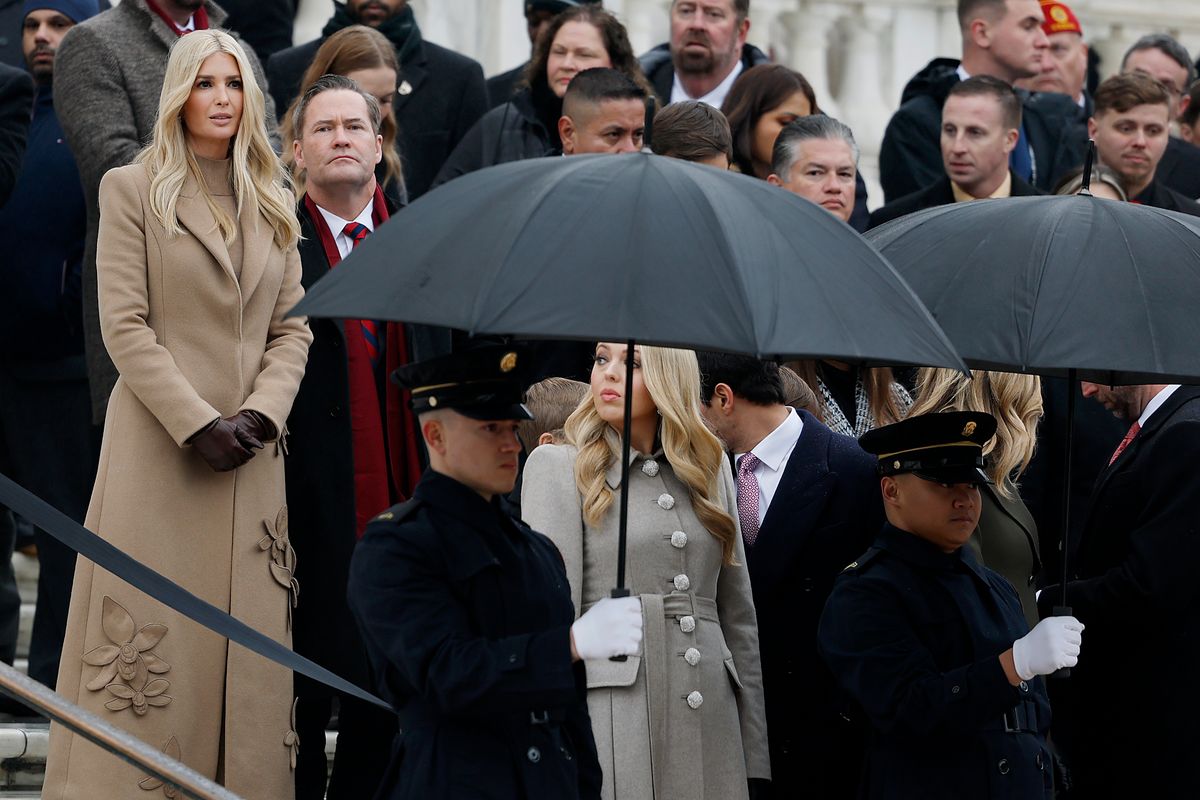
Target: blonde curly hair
[672, 377]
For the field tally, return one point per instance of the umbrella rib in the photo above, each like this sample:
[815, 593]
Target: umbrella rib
[1037, 291]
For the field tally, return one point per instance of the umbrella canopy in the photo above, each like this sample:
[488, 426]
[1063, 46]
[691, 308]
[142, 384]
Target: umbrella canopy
[1051, 285]
[636, 247]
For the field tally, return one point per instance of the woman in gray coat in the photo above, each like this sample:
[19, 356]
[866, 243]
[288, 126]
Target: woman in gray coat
[684, 718]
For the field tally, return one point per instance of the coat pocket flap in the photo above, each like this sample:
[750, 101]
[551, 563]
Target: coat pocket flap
[612, 673]
[733, 676]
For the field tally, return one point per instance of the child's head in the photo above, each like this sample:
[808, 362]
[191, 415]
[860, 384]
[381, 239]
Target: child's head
[551, 401]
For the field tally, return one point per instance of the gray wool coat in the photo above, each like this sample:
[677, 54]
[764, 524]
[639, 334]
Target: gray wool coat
[685, 717]
[108, 75]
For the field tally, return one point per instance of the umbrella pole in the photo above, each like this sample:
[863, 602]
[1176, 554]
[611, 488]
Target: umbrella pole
[1064, 609]
[623, 523]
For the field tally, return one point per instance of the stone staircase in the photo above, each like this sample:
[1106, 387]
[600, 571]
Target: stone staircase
[23, 745]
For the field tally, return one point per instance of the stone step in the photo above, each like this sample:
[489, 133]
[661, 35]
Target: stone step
[23, 748]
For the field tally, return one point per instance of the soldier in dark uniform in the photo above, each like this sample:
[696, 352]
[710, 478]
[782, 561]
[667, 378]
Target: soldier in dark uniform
[467, 615]
[933, 645]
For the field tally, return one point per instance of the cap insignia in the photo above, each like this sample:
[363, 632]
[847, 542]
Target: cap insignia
[433, 402]
[895, 465]
[509, 362]
[968, 429]
[1058, 14]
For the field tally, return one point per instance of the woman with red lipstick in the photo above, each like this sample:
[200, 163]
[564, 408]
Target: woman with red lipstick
[685, 717]
[578, 39]
[197, 269]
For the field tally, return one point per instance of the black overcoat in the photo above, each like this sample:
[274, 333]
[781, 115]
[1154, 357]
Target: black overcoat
[441, 95]
[939, 193]
[915, 635]
[1136, 590]
[466, 615]
[824, 514]
[1159, 195]
[16, 107]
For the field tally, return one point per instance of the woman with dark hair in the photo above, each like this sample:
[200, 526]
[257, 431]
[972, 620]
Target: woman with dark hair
[761, 102]
[578, 39]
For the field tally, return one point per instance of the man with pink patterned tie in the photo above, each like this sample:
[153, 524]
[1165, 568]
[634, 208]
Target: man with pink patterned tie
[1134, 586]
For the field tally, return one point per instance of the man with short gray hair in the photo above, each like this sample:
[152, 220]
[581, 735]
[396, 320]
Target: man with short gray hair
[1167, 61]
[816, 158]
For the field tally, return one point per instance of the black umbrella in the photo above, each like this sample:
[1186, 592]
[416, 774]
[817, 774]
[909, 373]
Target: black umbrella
[1074, 286]
[636, 247]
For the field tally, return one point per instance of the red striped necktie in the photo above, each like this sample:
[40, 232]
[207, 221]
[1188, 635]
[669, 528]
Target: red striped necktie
[1133, 431]
[356, 232]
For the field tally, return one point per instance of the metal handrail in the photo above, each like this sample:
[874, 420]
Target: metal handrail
[118, 742]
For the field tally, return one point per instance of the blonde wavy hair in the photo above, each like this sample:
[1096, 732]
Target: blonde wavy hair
[672, 378]
[259, 178]
[1014, 400]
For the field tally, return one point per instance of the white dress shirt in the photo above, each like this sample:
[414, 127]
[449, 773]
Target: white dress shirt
[337, 226]
[773, 453]
[1156, 403]
[716, 97]
[188, 26]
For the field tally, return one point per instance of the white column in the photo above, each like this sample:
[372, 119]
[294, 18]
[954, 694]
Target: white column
[310, 19]
[863, 105]
[808, 41]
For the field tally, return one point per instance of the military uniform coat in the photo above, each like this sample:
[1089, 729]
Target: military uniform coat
[684, 718]
[1135, 589]
[466, 615]
[915, 635]
[194, 337]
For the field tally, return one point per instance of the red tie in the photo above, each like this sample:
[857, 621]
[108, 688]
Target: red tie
[356, 232]
[1133, 431]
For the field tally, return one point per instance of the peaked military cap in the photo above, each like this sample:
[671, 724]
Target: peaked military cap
[481, 383]
[946, 447]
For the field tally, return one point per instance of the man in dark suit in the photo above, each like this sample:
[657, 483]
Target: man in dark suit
[810, 506]
[16, 104]
[1131, 127]
[981, 123]
[352, 450]
[440, 96]
[1134, 586]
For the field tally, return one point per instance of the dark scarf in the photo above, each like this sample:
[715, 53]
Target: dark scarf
[401, 30]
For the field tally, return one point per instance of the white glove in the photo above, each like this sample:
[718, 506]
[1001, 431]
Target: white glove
[612, 627]
[1052, 645]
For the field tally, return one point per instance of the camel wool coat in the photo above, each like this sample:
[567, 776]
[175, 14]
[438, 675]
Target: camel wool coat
[685, 717]
[194, 337]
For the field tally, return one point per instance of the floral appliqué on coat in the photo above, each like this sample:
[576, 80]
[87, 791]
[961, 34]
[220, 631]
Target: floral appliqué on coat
[291, 739]
[127, 663]
[150, 783]
[283, 557]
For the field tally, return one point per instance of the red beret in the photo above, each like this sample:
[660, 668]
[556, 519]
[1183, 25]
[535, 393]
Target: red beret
[1059, 18]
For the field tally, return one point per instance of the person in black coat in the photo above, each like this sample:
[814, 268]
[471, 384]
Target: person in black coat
[265, 25]
[441, 93]
[1133, 584]
[350, 454]
[823, 510]
[933, 645]
[467, 613]
[1008, 47]
[940, 193]
[16, 106]
[527, 125]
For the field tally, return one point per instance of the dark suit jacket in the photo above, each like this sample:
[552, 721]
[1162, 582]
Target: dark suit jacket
[939, 194]
[16, 106]
[1179, 168]
[1135, 589]
[446, 99]
[825, 513]
[1159, 195]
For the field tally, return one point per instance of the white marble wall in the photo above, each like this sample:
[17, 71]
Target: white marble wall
[858, 55]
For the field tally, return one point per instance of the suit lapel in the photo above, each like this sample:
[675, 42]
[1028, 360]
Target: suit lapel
[257, 239]
[413, 74]
[314, 264]
[194, 214]
[798, 503]
[1018, 513]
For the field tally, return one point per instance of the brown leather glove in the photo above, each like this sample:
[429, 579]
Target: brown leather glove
[220, 446]
[252, 429]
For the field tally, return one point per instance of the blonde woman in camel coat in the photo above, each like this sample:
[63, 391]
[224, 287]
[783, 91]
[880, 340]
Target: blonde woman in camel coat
[685, 717]
[193, 297]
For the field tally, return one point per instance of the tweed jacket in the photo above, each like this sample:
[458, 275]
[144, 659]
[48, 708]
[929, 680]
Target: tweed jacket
[196, 335]
[684, 718]
[108, 75]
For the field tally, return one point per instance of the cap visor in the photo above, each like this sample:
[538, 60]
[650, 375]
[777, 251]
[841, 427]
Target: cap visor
[499, 411]
[953, 475]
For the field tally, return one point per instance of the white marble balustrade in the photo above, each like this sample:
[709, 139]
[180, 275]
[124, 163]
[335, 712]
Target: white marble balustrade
[857, 55]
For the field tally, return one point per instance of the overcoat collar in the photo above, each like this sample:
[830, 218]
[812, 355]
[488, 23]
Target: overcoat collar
[916, 551]
[613, 475]
[414, 71]
[159, 28]
[1018, 513]
[467, 548]
[194, 214]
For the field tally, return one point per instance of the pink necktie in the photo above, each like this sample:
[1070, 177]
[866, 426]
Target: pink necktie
[1133, 431]
[747, 497]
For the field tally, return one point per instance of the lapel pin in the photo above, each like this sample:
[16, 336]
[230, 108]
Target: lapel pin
[405, 88]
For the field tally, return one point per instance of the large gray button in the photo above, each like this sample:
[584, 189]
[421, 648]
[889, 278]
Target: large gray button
[665, 501]
[692, 656]
[650, 467]
[695, 699]
[679, 539]
[687, 624]
[534, 755]
[682, 582]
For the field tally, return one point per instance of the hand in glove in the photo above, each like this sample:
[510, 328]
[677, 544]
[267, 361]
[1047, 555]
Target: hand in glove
[612, 627]
[220, 446]
[1052, 645]
[252, 429]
